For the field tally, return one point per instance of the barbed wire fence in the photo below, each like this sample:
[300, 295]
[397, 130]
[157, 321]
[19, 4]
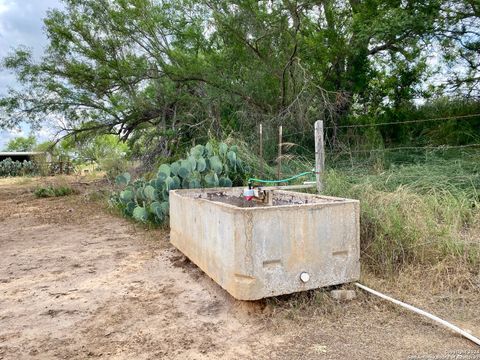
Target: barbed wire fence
[283, 141]
[283, 156]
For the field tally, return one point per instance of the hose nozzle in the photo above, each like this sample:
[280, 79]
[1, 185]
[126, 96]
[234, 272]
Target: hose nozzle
[249, 193]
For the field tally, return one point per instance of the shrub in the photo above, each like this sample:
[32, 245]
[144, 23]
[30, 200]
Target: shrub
[50, 191]
[61, 167]
[113, 166]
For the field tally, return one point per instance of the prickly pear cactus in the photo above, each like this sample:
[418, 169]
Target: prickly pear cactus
[140, 213]
[8, 168]
[210, 165]
[122, 179]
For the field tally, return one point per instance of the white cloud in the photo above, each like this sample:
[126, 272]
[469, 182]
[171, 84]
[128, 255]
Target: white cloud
[21, 23]
[3, 6]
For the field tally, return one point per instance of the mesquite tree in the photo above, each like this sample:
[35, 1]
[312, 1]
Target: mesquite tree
[184, 68]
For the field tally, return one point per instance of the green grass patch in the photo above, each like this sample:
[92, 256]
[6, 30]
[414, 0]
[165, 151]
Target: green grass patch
[422, 212]
[51, 191]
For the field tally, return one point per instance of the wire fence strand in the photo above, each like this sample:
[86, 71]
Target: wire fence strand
[444, 118]
[434, 148]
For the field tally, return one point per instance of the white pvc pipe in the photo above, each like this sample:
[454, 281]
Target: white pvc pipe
[422, 312]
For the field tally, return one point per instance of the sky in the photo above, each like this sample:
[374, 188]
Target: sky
[21, 23]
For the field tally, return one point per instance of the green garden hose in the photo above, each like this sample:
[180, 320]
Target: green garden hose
[281, 180]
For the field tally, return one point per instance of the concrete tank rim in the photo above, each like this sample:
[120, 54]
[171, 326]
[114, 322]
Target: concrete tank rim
[338, 202]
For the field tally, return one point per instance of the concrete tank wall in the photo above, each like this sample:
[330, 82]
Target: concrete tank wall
[257, 252]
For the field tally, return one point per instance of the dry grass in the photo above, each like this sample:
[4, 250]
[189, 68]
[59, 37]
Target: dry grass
[405, 227]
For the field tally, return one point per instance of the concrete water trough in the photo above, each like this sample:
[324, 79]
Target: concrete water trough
[299, 242]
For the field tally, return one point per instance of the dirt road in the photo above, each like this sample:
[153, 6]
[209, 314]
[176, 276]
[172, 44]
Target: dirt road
[77, 282]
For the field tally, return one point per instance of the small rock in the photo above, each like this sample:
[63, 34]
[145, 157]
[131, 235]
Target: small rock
[343, 295]
[267, 310]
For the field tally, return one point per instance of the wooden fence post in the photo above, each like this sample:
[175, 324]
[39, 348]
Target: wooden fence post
[261, 151]
[319, 154]
[279, 159]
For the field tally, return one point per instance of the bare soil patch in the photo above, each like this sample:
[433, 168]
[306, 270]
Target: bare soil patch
[77, 282]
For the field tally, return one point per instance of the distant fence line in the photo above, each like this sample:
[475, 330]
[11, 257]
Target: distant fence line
[59, 167]
[310, 132]
[355, 126]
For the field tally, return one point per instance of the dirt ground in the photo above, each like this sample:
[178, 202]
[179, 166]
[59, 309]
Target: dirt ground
[77, 281]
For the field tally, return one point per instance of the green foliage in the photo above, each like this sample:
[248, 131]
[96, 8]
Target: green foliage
[458, 124]
[57, 159]
[56, 151]
[8, 167]
[47, 146]
[61, 167]
[152, 71]
[204, 166]
[113, 166]
[419, 210]
[21, 143]
[89, 147]
[51, 191]
[106, 151]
